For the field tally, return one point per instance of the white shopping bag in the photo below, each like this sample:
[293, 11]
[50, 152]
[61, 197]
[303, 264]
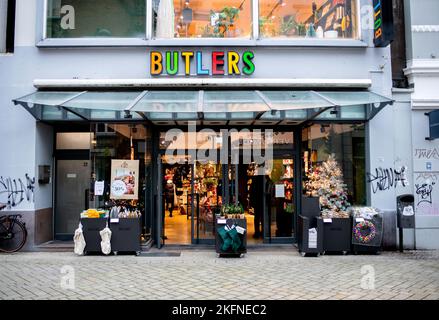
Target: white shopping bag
[79, 240]
[106, 240]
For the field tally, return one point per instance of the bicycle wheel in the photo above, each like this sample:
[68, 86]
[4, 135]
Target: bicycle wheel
[12, 239]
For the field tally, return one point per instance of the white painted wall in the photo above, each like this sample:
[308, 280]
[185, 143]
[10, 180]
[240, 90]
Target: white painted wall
[43, 156]
[25, 23]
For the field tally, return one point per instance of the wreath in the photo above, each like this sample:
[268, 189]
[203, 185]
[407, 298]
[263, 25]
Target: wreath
[365, 231]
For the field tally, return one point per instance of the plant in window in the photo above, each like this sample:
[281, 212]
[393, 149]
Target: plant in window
[288, 25]
[301, 29]
[226, 21]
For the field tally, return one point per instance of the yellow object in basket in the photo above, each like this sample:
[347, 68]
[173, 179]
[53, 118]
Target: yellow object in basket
[92, 213]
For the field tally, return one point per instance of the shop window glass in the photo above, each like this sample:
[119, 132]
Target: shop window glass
[122, 142]
[202, 19]
[333, 19]
[347, 143]
[96, 18]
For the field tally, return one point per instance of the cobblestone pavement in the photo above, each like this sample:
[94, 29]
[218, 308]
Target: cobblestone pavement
[201, 275]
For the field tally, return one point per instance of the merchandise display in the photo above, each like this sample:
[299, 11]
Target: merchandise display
[231, 236]
[326, 182]
[366, 228]
[94, 213]
[232, 211]
[124, 212]
[364, 231]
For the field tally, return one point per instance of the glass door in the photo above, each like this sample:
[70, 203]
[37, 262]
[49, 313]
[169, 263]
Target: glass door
[280, 183]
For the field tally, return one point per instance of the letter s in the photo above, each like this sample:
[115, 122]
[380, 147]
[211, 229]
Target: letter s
[249, 67]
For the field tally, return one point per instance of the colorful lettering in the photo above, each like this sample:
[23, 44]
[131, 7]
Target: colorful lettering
[172, 62]
[156, 63]
[200, 70]
[249, 66]
[187, 56]
[217, 63]
[233, 60]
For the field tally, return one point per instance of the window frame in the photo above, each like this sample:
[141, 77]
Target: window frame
[253, 41]
[9, 31]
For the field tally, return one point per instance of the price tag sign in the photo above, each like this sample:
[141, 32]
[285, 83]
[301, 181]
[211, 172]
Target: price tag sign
[240, 230]
[221, 221]
[328, 220]
[114, 220]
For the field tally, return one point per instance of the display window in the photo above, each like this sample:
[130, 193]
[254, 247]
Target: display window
[319, 19]
[202, 19]
[96, 19]
[335, 150]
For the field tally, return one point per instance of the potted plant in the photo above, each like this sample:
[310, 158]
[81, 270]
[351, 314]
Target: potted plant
[288, 24]
[226, 21]
[326, 183]
[301, 29]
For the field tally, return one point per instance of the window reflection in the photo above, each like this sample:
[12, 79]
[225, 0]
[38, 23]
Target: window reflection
[329, 19]
[96, 18]
[202, 19]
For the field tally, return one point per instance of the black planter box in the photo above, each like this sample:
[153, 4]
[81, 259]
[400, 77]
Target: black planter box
[125, 236]
[310, 207]
[303, 226]
[219, 241]
[91, 228]
[337, 235]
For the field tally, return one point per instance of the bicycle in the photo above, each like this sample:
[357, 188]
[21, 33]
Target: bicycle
[13, 232]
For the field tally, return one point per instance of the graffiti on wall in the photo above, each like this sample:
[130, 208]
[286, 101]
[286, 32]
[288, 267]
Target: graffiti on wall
[426, 193]
[427, 154]
[13, 192]
[387, 178]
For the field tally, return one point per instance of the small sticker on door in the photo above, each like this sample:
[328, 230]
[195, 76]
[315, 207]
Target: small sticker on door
[71, 175]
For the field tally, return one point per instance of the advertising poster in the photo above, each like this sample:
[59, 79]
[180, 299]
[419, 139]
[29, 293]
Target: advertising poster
[124, 179]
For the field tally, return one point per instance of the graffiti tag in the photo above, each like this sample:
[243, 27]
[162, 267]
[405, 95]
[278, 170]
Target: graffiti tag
[387, 178]
[15, 191]
[427, 153]
[426, 176]
[424, 191]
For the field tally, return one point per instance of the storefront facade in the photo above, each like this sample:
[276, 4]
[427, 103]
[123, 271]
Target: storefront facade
[88, 91]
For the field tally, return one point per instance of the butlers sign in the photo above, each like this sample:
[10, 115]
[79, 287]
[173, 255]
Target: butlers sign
[194, 63]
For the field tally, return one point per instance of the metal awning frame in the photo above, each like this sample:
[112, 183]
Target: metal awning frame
[371, 110]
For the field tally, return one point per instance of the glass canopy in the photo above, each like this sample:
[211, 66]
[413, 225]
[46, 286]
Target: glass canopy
[221, 105]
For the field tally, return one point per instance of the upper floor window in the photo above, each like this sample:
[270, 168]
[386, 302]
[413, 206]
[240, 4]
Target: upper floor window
[329, 19]
[96, 18]
[7, 26]
[202, 19]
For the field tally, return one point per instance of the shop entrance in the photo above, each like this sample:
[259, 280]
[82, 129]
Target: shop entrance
[192, 192]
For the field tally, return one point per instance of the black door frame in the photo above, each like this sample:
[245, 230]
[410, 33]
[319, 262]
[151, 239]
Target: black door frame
[296, 153]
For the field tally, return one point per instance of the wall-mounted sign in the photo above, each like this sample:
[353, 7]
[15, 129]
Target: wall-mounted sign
[124, 179]
[189, 62]
[383, 23]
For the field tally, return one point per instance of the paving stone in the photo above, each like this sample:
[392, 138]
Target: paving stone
[198, 274]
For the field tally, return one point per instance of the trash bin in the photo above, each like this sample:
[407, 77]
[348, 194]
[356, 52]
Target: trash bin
[405, 206]
[405, 216]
